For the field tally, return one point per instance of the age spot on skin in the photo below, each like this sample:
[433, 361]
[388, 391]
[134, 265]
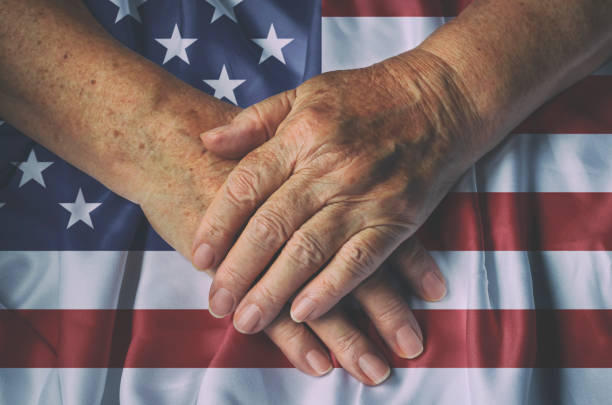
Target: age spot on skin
[117, 134]
[141, 146]
[66, 56]
[92, 81]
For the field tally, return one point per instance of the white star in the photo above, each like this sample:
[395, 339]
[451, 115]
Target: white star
[223, 8]
[32, 169]
[1, 122]
[79, 210]
[272, 46]
[2, 205]
[127, 7]
[176, 46]
[224, 87]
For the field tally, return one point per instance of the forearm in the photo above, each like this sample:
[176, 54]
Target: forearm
[70, 86]
[512, 55]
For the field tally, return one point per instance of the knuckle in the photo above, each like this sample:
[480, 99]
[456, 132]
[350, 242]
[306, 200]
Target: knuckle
[269, 296]
[359, 258]
[346, 343]
[305, 250]
[241, 189]
[329, 287]
[269, 230]
[268, 159]
[215, 227]
[234, 277]
[256, 115]
[291, 334]
[311, 118]
[390, 311]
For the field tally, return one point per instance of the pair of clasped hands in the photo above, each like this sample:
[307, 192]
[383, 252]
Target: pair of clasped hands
[330, 188]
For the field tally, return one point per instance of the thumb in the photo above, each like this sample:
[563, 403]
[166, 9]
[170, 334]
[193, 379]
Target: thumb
[249, 129]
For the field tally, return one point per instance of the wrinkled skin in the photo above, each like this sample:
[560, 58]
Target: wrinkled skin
[177, 181]
[342, 171]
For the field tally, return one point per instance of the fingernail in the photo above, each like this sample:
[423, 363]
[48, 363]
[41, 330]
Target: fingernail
[433, 285]
[302, 309]
[221, 303]
[374, 367]
[203, 257]
[214, 132]
[249, 318]
[409, 342]
[319, 362]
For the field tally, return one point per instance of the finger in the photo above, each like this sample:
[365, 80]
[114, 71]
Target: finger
[259, 174]
[417, 266]
[266, 232]
[300, 345]
[354, 351]
[249, 129]
[390, 315]
[305, 253]
[354, 262]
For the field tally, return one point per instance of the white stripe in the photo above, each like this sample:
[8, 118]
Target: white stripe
[354, 42]
[500, 386]
[100, 280]
[544, 163]
[476, 280]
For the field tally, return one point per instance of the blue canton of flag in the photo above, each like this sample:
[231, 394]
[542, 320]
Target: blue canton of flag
[240, 51]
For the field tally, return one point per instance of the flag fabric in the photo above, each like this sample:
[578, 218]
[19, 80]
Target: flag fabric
[96, 309]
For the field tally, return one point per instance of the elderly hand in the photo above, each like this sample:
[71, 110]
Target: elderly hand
[351, 163]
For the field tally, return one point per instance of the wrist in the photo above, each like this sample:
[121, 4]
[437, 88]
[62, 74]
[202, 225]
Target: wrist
[446, 106]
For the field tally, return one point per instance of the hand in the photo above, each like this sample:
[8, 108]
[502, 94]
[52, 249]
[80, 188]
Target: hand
[351, 163]
[181, 180]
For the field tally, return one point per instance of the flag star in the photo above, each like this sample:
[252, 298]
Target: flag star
[224, 86]
[80, 210]
[127, 7]
[32, 169]
[224, 8]
[176, 46]
[272, 45]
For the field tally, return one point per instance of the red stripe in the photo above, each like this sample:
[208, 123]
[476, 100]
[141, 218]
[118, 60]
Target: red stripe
[193, 338]
[521, 221]
[393, 8]
[584, 108]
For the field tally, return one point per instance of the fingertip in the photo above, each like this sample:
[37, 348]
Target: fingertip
[374, 367]
[203, 257]
[409, 341]
[221, 302]
[302, 310]
[248, 320]
[319, 363]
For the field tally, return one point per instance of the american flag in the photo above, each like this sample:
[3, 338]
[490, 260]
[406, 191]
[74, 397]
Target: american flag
[95, 308]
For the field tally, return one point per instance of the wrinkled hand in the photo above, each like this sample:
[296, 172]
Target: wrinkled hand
[350, 165]
[180, 180]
